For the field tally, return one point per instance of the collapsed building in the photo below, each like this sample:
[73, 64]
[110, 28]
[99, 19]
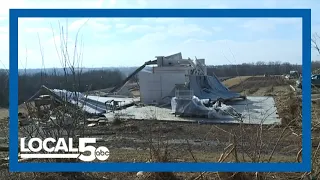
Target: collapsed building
[175, 76]
[173, 85]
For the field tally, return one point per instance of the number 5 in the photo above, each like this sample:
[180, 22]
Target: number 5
[83, 148]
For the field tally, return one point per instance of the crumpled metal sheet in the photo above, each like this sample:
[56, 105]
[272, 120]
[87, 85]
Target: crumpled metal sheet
[91, 104]
[189, 107]
[196, 107]
[77, 98]
[209, 87]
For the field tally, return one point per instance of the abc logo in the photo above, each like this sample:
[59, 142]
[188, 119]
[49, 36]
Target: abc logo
[102, 153]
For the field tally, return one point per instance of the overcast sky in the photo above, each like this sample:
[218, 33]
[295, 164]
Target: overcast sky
[131, 42]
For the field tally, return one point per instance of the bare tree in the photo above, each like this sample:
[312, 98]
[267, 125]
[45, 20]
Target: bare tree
[315, 42]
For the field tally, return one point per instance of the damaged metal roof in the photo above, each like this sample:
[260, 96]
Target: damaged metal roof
[209, 87]
[94, 105]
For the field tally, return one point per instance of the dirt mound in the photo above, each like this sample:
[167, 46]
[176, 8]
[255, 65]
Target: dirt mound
[259, 82]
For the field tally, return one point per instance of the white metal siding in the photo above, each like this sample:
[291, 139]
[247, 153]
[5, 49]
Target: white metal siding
[154, 87]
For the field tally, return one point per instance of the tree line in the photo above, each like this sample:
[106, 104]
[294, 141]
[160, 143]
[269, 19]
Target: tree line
[29, 84]
[258, 68]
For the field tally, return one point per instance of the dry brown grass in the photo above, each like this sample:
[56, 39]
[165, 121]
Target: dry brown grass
[235, 81]
[3, 113]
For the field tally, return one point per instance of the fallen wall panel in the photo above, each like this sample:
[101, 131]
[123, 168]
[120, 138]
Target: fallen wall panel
[209, 87]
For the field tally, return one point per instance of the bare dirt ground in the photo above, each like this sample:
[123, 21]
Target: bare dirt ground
[260, 85]
[235, 80]
[130, 141]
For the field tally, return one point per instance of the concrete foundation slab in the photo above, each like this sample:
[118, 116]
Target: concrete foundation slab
[255, 110]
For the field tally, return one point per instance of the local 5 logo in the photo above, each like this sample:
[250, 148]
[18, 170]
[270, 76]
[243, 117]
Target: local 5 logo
[36, 145]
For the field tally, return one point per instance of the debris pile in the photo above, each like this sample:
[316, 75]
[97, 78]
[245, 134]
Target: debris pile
[203, 108]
